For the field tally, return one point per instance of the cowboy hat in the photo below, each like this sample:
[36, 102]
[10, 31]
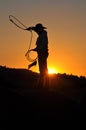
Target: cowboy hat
[39, 26]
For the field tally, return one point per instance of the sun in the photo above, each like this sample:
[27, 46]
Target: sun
[52, 71]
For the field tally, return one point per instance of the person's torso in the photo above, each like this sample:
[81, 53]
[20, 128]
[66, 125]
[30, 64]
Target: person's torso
[42, 42]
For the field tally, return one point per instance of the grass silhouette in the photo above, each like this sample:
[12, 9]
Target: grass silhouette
[63, 99]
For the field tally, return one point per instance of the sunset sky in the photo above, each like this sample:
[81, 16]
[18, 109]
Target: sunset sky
[66, 26]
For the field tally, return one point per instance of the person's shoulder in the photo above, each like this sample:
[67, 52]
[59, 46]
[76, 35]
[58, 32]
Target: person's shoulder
[44, 32]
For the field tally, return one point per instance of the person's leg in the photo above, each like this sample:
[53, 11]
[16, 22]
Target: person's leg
[44, 80]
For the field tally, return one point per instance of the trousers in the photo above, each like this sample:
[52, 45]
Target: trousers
[42, 62]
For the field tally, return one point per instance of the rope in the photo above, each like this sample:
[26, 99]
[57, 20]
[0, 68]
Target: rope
[29, 50]
[14, 20]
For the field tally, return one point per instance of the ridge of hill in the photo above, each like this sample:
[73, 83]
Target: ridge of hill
[64, 99]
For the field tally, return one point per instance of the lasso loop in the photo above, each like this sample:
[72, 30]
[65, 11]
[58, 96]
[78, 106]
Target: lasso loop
[15, 21]
[29, 50]
[28, 56]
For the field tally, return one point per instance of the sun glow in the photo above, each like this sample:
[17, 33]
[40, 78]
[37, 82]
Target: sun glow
[52, 71]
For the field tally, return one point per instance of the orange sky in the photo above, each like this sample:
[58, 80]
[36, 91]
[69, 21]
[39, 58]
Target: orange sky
[66, 27]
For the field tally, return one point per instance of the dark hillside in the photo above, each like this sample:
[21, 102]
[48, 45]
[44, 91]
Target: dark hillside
[20, 97]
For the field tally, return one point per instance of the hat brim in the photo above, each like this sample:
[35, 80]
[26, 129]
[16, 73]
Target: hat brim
[40, 27]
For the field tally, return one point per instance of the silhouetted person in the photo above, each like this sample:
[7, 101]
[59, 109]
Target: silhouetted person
[42, 51]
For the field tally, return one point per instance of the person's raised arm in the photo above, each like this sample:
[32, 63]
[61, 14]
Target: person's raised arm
[30, 28]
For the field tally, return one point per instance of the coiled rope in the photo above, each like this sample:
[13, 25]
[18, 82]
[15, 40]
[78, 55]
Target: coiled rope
[20, 25]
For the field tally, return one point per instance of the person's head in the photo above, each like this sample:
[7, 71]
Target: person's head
[39, 28]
